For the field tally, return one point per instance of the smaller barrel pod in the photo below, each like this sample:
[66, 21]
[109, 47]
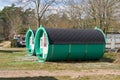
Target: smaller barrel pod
[30, 46]
[69, 44]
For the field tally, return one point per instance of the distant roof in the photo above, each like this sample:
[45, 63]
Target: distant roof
[74, 36]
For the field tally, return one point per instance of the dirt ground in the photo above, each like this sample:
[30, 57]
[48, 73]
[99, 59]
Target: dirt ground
[72, 74]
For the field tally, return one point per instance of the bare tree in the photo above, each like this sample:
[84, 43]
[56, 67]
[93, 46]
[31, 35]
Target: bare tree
[40, 7]
[103, 12]
[74, 9]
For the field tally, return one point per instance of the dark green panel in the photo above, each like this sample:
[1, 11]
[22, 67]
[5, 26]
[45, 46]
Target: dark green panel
[94, 51]
[58, 52]
[76, 52]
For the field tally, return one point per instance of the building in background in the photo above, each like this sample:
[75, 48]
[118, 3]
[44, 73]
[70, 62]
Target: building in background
[113, 41]
[19, 40]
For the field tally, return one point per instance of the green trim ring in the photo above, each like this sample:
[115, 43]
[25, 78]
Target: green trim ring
[39, 52]
[30, 47]
[96, 28]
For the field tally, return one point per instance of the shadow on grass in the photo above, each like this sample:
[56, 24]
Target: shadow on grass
[10, 51]
[31, 78]
[105, 59]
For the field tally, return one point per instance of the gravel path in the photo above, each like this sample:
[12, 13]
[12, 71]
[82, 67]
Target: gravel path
[73, 74]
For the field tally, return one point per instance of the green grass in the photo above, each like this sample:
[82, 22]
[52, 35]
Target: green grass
[19, 60]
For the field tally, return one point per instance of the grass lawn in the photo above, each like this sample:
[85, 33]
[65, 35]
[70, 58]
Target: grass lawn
[17, 59]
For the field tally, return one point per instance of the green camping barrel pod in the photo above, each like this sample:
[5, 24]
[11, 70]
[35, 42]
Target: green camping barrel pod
[69, 44]
[30, 46]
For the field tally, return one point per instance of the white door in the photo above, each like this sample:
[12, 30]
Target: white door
[31, 42]
[43, 45]
[113, 42]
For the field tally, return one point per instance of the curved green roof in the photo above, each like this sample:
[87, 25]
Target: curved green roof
[29, 47]
[39, 53]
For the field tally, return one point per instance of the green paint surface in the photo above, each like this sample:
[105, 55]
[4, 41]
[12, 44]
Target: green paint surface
[29, 33]
[62, 52]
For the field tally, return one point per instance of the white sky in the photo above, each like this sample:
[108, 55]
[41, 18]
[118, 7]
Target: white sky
[4, 3]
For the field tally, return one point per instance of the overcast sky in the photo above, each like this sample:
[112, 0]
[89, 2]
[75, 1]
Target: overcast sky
[5, 3]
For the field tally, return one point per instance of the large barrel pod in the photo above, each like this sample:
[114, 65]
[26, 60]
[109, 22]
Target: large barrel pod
[69, 44]
[30, 46]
